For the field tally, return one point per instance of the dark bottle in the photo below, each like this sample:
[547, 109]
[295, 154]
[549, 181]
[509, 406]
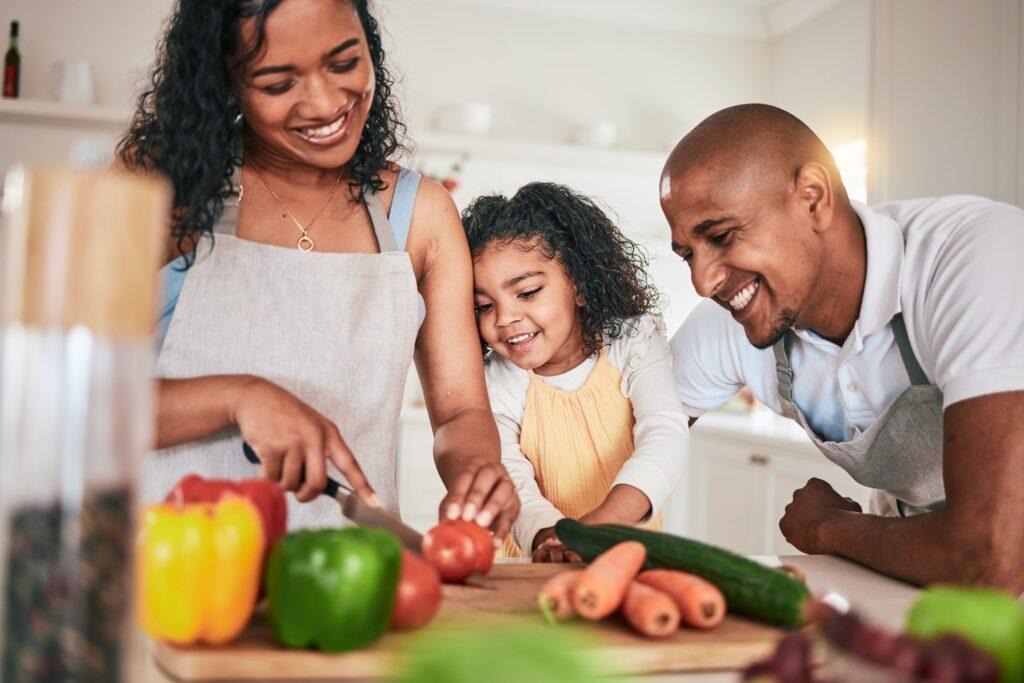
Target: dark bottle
[12, 64]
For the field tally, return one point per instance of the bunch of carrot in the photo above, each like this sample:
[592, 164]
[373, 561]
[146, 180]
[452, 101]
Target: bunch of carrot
[653, 602]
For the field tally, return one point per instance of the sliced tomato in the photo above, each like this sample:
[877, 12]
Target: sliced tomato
[418, 596]
[482, 541]
[451, 551]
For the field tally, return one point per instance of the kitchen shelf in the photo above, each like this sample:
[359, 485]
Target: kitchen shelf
[48, 112]
[622, 159]
[424, 145]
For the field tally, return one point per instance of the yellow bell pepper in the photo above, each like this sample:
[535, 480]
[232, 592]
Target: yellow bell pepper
[197, 570]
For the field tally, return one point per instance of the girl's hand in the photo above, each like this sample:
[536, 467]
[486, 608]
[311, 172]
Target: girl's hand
[483, 493]
[293, 441]
[547, 548]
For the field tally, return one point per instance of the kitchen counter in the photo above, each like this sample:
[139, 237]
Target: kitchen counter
[880, 599]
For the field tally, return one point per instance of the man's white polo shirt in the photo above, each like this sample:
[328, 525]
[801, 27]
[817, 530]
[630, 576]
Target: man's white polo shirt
[954, 266]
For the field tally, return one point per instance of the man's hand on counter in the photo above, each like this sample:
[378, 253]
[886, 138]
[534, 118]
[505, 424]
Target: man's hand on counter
[977, 539]
[805, 517]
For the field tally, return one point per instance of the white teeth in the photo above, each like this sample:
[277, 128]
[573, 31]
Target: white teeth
[325, 131]
[740, 301]
[519, 338]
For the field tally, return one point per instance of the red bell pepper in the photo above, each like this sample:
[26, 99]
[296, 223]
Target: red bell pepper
[265, 495]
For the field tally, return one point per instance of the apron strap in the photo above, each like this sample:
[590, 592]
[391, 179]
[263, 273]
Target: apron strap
[227, 222]
[914, 371]
[381, 224]
[783, 370]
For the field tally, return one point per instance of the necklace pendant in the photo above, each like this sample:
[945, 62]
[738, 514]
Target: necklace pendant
[305, 243]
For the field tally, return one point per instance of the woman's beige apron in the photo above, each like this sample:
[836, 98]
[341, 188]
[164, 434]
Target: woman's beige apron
[900, 454]
[336, 330]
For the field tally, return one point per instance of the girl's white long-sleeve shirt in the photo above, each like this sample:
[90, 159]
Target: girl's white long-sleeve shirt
[660, 433]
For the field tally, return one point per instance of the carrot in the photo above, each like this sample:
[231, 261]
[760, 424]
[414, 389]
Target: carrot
[650, 611]
[700, 603]
[602, 586]
[555, 597]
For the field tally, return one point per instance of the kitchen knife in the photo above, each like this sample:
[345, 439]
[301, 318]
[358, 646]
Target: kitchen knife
[359, 511]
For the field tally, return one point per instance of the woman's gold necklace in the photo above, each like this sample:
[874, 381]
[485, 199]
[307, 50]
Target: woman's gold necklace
[305, 242]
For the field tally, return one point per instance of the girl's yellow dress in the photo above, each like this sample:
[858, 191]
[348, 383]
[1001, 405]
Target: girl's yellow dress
[577, 441]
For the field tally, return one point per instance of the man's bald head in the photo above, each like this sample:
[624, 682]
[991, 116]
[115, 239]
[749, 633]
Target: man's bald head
[758, 211]
[755, 143]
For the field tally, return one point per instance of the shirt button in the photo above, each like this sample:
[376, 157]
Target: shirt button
[853, 387]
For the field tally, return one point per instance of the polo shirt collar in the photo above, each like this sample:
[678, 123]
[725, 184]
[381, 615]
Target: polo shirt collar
[885, 247]
[881, 300]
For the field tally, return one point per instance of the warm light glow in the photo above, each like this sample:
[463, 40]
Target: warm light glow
[852, 160]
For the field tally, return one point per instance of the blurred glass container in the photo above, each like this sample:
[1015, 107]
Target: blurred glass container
[81, 251]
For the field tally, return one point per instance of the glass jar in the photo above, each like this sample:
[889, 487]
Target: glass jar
[79, 272]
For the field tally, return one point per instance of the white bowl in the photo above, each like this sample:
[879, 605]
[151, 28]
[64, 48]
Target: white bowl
[597, 134]
[470, 118]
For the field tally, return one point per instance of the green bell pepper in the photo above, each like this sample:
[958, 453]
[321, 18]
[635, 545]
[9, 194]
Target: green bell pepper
[332, 588]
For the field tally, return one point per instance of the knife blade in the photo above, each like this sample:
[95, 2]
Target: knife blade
[361, 513]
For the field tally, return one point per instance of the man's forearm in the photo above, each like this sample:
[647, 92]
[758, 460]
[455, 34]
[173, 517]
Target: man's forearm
[470, 435]
[923, 549]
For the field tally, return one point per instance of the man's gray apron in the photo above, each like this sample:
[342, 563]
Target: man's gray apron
[900, 454]
[336, 330]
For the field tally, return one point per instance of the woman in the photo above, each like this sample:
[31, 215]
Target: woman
[309, 265]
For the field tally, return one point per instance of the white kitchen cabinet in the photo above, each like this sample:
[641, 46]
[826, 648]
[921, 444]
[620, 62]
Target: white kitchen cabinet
[420, 489]
[743, 474]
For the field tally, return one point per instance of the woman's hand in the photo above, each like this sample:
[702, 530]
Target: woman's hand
[484, 493]
[293, 441]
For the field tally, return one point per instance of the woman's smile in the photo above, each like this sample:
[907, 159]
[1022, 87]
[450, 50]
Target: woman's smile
[329, 134]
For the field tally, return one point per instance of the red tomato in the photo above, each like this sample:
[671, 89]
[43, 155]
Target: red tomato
[419, 593]
[451, 551]
[482, 541]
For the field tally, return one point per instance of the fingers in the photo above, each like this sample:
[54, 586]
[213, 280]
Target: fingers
[314, 473]
[451, 506]
[271, 463]
[503, 524]
[346, 463]
[484, 481]
[571, 556]
[499, 499]
[291, 469]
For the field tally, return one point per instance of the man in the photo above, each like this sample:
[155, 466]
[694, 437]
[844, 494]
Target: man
[893, 334]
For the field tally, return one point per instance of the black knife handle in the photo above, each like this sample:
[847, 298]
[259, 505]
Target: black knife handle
[332, 488]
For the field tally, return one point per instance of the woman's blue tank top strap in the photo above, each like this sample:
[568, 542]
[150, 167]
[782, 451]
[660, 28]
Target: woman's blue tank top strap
[172, 279]
[401, 205]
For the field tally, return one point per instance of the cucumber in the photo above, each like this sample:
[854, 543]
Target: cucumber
[750, 589]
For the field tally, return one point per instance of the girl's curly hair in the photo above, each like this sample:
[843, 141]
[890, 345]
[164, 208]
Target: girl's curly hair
[186, 124]
[608, 269]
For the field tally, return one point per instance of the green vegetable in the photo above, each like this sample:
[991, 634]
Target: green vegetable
[749, 588]
[501, 655]
[990, 619]
[332, 589]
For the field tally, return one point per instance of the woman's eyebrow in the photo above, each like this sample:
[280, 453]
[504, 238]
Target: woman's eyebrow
[265, 70]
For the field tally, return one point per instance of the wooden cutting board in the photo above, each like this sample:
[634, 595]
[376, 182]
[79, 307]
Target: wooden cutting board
[254, 656]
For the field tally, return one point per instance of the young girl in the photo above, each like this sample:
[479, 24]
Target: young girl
[578, 371]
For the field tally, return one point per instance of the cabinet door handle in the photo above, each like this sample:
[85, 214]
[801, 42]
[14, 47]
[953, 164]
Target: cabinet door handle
[759, 460]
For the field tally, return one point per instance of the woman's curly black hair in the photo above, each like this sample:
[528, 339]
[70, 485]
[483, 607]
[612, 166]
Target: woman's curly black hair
[608, 269]
[186, 124]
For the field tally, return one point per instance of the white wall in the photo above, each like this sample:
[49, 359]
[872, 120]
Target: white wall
[542, 74]
[947, 85]
[821, 71]
[116, 36]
